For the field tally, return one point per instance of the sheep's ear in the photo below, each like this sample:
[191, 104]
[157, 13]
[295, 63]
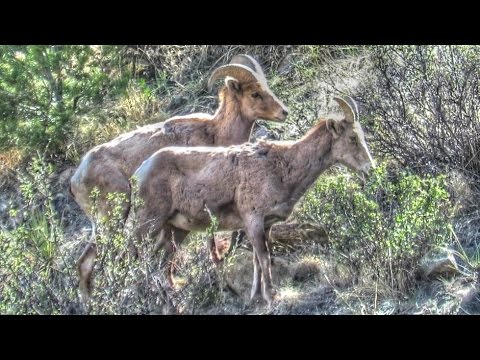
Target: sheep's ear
[334, 127]
[233, 84]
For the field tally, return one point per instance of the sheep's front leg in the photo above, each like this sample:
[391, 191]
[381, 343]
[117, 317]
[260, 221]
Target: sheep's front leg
[257, 279]
[256, 233]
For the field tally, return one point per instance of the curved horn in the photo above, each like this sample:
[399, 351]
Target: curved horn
[249, 61]
[240, 72]
[351, 112]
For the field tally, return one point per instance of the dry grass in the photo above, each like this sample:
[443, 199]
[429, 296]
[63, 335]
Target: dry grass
[9, 160]
[102, 125]
[186, 62]
[138, 105]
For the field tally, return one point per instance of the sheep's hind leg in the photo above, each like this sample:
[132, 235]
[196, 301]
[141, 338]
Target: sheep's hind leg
[256, 233]
[170, 239]
[85, 265]
[256, 293]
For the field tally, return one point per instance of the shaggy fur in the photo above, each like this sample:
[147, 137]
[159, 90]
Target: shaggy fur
[248, 186]
[244, 99]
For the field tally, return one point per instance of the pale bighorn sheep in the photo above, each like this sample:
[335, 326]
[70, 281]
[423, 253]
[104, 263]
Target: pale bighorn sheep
[245, 98]
[248, 186]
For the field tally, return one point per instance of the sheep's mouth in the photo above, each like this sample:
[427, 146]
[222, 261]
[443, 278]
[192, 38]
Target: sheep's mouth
[276, 118]
[280, 118]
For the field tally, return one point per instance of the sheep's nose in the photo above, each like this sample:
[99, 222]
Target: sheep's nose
[285, 112]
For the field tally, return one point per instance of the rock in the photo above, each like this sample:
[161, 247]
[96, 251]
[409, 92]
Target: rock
[292, 233]
[306, 270]
[282, 233]
[470, 300]
[261, 132]
[438, 264]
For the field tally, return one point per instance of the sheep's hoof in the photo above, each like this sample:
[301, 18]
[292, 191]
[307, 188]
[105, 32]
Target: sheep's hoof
[256, 301]
[270, 296]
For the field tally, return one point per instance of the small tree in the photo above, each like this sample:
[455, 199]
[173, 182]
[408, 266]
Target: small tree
[42, 87]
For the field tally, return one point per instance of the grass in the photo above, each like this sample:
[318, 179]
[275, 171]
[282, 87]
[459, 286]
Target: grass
[10, 160]
[137, 107]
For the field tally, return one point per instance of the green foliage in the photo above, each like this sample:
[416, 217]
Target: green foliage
[213, 227]
[124, 283]
[37, 262]
[386, 224]
[42, 87]
[115, 268]
[32, 261]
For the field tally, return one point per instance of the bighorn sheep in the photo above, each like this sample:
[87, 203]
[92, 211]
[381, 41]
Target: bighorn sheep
[248, 186]
[245, 98]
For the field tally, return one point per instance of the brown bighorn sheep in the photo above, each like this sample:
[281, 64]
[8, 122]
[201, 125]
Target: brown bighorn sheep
[245, 98]
[248, 186]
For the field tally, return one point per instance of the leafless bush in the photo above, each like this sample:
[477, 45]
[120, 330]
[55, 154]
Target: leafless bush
[422, 102]
[187, 62]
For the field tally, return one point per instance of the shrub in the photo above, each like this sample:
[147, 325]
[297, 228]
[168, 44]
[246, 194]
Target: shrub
[422, 103]
[42, 88]
[35, 277]
[385, 225]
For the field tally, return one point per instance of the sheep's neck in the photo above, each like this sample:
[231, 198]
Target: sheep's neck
[306, 159]
[232, 127]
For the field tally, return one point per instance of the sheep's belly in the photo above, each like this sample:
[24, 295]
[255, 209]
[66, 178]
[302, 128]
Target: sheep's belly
[183, 222]
[226, 221]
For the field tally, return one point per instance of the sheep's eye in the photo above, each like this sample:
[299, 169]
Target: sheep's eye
[353, 139]
[256, 95]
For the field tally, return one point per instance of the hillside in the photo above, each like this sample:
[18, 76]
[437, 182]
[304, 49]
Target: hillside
[403, 240]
